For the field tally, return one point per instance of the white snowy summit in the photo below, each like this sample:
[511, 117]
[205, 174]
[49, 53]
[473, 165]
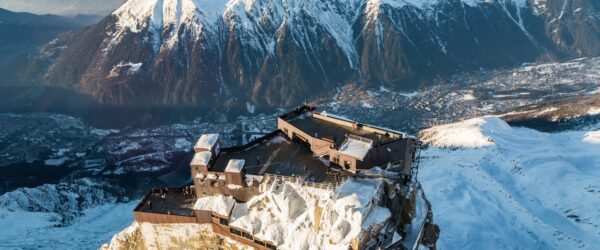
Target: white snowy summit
[165, 20]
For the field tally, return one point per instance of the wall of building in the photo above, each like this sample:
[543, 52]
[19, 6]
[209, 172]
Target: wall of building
[234, 178]
[317, 145]
[162, 218]
[397, 152]
[203, 216]
[253, 242]
[345, 161]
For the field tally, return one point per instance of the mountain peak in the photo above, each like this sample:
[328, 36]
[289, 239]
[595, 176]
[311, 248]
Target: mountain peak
[277, 52]
[168, 12]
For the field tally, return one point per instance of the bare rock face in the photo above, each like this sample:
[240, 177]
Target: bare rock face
[278, 53]
[169, 236]
[572, 25]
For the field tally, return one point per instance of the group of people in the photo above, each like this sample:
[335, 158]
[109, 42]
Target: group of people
[189, 192]
[162, 192]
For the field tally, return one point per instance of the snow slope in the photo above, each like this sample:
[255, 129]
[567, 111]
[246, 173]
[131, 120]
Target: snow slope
[523, 189]
[79, 214]
[43, 230]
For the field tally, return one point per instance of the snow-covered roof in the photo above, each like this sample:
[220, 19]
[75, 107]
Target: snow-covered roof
[235, 166]
[361, 190]
[207, 141]
[219, 204]
[355, 148]
[250, 178]
[201, 158]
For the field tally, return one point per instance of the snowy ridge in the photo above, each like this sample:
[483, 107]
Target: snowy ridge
[261, 21]
[164, 18]
[67, 199]
[472, 133]
[526, 190]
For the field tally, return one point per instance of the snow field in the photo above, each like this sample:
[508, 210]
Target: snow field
[524, 189]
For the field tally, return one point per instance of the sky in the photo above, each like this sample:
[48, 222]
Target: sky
[62, 7]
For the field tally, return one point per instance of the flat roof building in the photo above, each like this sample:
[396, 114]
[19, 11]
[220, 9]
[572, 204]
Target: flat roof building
[315, 149]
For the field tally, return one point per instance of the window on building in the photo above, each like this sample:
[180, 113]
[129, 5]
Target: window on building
[247, 235]
[346, 164]
[214, 216]
[270, 246]
[236, 232]
[258, 242]
[224, 222]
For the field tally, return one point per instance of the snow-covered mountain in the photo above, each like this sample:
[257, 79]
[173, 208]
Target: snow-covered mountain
[286, 214]
[67, 199]
[274, 52]
[493, 186]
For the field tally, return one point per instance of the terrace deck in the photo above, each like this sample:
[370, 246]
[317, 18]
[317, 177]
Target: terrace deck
[276, 154]
[168, 201]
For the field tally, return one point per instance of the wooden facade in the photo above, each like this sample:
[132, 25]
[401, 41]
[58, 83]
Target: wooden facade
[157, 218]
[235, 179]
[243, 236]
